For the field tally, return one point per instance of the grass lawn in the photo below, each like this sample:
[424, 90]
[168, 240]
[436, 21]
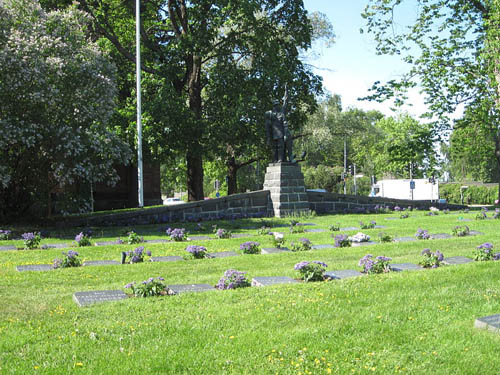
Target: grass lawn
[408, 322]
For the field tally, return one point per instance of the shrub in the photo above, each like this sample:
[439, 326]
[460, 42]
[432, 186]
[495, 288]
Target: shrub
[264, 231]
[233, 279]
[379, 265]
[311, 271]
[404, 216]
[461, 231]
[82, 240]
[278, 240]
[134, 238]
[70, 260]
[397, 208]
[250, 247]
[422, 234]
[177, 234]
[431, 260]
[342, 240]
[369, 225]
[136, 255]
[222, 233]
[31, 240]
[304, 244]
[154, 286]
[385, 237]
[295, 227]
[334, 227]
[197, 252]
[5, 234]
[481, 215]
[472, 195]
[484, 252]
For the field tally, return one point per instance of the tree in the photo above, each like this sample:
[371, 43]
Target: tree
[185, 45]
[56, 94]
[453, 49]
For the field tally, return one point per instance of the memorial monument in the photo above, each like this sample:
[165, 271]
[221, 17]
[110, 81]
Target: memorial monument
[283, 179]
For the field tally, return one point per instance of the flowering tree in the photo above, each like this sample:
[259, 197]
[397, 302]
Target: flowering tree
[56, 94]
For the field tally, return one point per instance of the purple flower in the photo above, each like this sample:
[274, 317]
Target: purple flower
[397, 208]
[119, 241]
[148, 253]
[129, 285]
[233, 279]
[79, 237]
[486, 246]
[383, 258]
[301, 265]
[29, 236]
[426, 252]
[320, 263]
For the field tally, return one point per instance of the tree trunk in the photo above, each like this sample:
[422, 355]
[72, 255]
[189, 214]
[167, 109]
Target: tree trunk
[232, 182]
[194, 162]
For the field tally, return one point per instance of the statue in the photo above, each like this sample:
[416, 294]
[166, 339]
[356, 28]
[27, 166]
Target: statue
[278, 133]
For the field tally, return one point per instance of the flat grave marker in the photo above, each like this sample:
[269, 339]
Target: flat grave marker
[57, 245]
[462, 219]
[306, 224]
[491, 323]
[168, 258]
[7, 248]
[392, 218]
[405, 239]
[98, 296]
[349, 228]
[475, 233]
[365, 243]
[274, 250]
[451, 261]
[106, 243]
[324, 246]
[342, 274]
[440, 236]
[315, 230]
[380, 227]
[199, 238]
[223, 254]
[272, 280]
[35, 267]
[399, 267]
[101, 263]
[241, 235]
[190, 288]
[158, 241]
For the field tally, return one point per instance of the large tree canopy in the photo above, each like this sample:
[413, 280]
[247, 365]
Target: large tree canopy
[453, 48]
[56, 94]
[210, 66]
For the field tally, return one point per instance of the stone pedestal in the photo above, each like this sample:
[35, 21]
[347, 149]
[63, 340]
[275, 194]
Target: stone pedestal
[285, 182]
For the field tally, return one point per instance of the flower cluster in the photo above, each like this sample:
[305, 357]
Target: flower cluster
[177, 234]
[134, 238]
[136, 255]
[334, 227]
[461, 231]
[5, 234]
[264, 231]
[311, 271]
[82, 240]
[295, 227]
[397, 208]
[197, 252]
[379, 265]
[431, 260]
[485, 252]
[422, 234]
[496, 215]
[119, 241]
[404, 215]
[360, 237]
[369, 225]
[303, 244]
[233, 279]
[70, 260]
[384, 237]
[278, 239]
[222, 233]
[342, 240]
[250, 247]
[31, 240]
[154, 286]
[482, 215]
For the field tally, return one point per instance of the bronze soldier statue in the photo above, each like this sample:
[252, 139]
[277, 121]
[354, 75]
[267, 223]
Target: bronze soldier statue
[278, 133]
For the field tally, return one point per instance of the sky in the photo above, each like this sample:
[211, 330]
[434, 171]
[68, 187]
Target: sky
[350, 66]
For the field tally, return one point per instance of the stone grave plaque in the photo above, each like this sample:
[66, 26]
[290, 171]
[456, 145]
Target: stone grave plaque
[475, 233]
[169, 258]
[100, 263]
[187, 288]
[306, 224]
[7, 247]
[274, 250]
[456, 260]
[158, 241]
[106, 243]
[325, 246]
[405, 239]
[200, 238]
[462, 219]
[315, 230]
[240, 235]
[342, 274]
[380, 226]
[223, 254]
[98, 296]
[35, 267]
[349, 228]
[440, 236]
[272, 280]
[392, 218]
[491, 322]
[365, 243]
[398, 267]
[57, 245]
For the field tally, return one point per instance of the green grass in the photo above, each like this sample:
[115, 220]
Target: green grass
[409, 323]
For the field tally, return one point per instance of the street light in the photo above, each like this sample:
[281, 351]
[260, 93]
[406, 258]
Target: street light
[140, 175]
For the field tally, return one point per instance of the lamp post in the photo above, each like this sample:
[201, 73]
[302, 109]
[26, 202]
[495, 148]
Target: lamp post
[140, 175]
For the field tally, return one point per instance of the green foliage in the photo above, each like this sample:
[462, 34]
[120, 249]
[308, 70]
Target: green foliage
[322, 177]
[460, 231]
[150, 288]
[134, 238]
[474, 194]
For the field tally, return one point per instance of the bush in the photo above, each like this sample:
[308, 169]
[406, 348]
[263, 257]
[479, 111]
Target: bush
[304, 244]
[311, 271]
[196, 252]
[484, 252]
[379, 265]
[473, 195]
[177, 234]
[5, 234]
[232, 279]
[431, 260]
[82, 240]
[461, 231]
[31, 240]
[250, 247]
[137, 255]
[342, 240]
[70, 260]
[134, 238]
[149, 288]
